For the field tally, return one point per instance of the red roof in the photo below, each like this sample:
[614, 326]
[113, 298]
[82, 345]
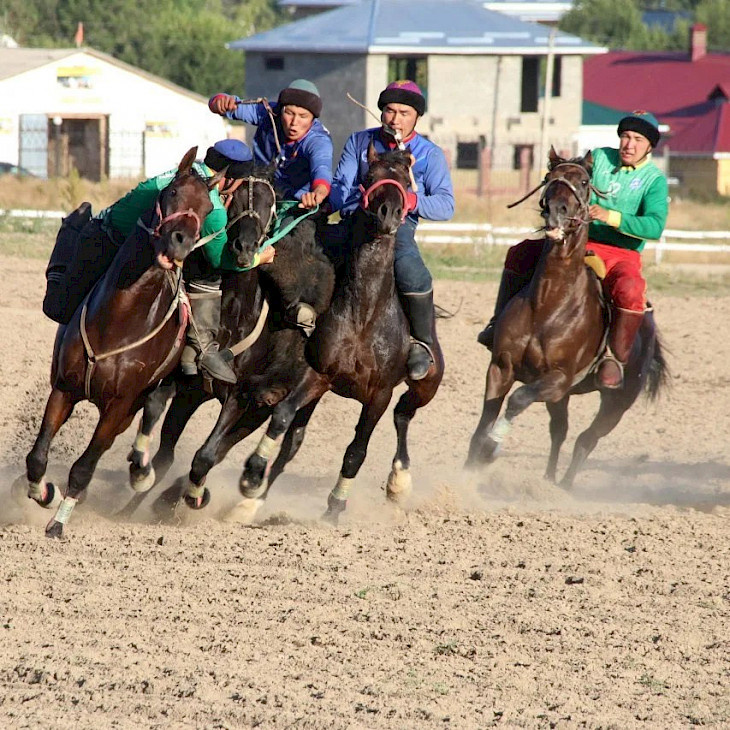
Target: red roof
[671, 86]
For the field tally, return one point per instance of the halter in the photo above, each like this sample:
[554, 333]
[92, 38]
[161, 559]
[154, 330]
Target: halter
[250, 212]
[365, 202]
[189, 213]
[584, 207]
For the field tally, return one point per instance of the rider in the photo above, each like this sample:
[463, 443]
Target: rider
[300, 146]
[634, 209]
[401, 104]
[201, 268]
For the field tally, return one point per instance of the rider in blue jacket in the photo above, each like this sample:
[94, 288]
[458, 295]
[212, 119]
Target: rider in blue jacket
[401, 104]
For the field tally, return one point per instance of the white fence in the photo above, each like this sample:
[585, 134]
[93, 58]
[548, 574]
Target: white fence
[485, 234]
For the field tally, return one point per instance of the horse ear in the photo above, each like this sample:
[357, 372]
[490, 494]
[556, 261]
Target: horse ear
[186, 164]
[588, 161]
[220, 175]
[553, 157]
[372, 154]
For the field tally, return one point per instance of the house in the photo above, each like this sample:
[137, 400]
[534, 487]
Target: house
[480, 70]
[80, 108]
[687, 91]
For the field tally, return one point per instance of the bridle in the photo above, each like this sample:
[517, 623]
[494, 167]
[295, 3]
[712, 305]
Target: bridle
[365, 202]
[156, 231]
[250, 211]
[582, 216]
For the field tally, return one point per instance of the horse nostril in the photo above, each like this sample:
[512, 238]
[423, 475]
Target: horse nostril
[177, 238]
[383, 210]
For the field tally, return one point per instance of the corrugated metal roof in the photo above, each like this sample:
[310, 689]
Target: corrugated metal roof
[403, 26]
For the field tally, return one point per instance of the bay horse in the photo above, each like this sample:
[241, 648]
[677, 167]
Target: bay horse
[552, 334]
[359, 347]
[269, 355]
[125, 337]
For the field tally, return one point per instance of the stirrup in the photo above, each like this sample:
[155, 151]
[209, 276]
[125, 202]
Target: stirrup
[609, 357]
[416, 362]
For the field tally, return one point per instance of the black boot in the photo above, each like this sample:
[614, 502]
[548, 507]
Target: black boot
[419, 311]
[201, 336]
[511, 284]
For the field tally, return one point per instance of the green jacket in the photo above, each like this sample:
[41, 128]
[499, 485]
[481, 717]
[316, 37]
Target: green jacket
[637, 199]
[122, 216]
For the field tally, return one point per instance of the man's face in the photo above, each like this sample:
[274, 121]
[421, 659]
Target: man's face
[295, 121]
[633, 147]
[400, 117]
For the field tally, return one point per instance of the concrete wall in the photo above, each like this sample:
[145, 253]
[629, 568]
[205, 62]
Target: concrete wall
[700, 176]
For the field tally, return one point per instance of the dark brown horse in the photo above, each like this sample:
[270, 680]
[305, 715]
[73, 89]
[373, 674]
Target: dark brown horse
[359, 347]
[125, 337]
[551, 335]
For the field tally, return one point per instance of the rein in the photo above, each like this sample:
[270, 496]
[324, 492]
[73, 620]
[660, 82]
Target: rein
[365, 202]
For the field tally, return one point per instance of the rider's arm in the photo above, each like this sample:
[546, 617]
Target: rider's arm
[250, 113]
[435, 199]
[651, 218]
[319, 152]
[345, 177]
[215, 222]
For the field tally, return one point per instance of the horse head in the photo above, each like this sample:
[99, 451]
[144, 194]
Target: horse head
[384, 189]
[181, 208]
[566, 195]
[251, 211]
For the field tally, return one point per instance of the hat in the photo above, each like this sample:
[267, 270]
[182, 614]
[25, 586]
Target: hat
[642, 122]
[302, 93]
[403, 92]
[230, 153]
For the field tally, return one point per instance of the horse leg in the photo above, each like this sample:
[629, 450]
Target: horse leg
[115, 418]
[485, 443]
[293, 439]
[355, 454]
[58, 408]
[186, 401]
[558, 431]
[419, 394]
[613, 406]
[141, 471]
[232, 426]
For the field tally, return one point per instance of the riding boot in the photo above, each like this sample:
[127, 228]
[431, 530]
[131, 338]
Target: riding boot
[511, 284]
[301, 315]
[624, 326]
[201, 337]
[419, 311]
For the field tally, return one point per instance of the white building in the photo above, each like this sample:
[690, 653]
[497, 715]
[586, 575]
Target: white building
[64, 108]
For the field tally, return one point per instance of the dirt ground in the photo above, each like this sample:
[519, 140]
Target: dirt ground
[491, 600]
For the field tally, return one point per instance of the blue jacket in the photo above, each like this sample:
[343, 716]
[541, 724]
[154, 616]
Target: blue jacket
[303, 164]
[435, 191]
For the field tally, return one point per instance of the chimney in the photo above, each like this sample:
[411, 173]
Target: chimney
[697, 41]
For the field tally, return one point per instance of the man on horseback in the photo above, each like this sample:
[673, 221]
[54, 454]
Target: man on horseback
[634, 209]
[401, 104]
[289, 135]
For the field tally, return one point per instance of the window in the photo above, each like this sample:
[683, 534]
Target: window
[523, 156]
[274, 63]
[414, 68]
[557, 75]
[467, 155]
[530, 77]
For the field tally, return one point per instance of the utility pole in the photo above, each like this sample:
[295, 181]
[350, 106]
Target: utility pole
[542, 164]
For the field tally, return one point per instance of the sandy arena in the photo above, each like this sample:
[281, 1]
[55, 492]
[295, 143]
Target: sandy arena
[490, 601]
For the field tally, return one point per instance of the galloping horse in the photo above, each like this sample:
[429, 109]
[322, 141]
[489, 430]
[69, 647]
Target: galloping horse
[269, 358]
[125, 337]
[551, 335]
[360, 345]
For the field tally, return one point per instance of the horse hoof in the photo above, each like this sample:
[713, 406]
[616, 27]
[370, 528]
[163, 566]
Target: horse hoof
[244, 512]
[251, 490]
[54, 529]
[141, 481]
[335, 507]
[198, 502]
[51, 499]
[400, 485]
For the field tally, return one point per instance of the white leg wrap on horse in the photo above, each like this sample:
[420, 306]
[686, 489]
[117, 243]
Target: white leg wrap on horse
[342, 488]
[266, 447]
[65, 509]
[141, 442]
[37, 490]
[500, 429]
[194, 491]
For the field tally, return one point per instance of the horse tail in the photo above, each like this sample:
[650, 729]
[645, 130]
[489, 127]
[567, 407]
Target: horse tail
[658, 373]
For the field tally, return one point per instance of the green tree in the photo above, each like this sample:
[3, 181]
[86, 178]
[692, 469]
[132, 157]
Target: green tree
[715, 14]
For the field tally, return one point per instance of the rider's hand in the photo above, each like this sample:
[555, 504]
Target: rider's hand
[598, 214]
[267, 255]
[313, 198]
[222, 103]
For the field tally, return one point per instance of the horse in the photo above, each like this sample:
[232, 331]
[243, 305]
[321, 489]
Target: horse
[552, 334]
[359, 348]
[124, 338]
[269, 354]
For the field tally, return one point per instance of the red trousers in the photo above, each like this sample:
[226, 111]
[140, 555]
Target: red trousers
[624, 282]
